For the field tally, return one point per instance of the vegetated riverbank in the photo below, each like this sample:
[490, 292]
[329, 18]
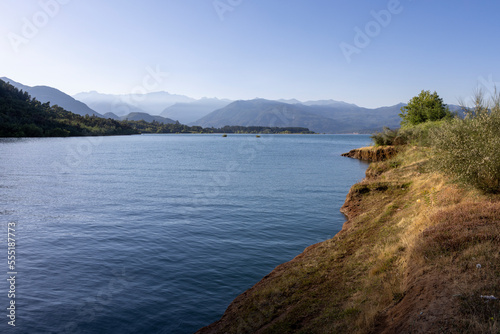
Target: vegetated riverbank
[418, 254]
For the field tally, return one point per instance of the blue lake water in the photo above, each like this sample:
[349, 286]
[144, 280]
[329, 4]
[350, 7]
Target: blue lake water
[159, 233]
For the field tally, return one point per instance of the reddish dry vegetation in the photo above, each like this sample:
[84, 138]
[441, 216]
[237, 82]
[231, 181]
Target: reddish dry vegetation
[454, 263]
[415, 256]
[461, 227]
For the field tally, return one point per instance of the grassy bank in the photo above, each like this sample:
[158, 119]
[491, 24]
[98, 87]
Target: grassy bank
[416, 255]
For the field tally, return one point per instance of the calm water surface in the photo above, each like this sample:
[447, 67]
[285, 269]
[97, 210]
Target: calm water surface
[159, 233]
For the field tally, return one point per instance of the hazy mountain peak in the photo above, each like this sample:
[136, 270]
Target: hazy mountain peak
[189, 112]
[152, 103]
[328, 103]
[290, 101]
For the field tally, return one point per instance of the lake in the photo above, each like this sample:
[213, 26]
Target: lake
[159, 233]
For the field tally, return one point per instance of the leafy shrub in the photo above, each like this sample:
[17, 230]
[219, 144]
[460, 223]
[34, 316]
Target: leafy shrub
[386, 137]
[31, 130]
[419, 134]
[469, 148]
[58, 132]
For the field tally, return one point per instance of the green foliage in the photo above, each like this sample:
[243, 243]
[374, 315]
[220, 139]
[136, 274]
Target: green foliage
[155, 127]
[261, 129]
[469, 149]
[386, 137]
[424, 107]
[419, 134]
[22, 116]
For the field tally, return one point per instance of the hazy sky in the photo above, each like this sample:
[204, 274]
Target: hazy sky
[371, 53]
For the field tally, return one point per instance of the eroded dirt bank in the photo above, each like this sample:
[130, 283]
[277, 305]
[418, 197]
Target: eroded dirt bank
[372, 153]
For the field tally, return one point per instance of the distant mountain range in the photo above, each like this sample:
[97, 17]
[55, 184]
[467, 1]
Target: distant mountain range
[318, 116]
[54, 96]
[178, 107]
[121, 105]
[260, 112]
[188, 113]
[323, 116]
[107, 104]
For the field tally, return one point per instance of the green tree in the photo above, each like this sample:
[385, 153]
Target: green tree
[424, 107]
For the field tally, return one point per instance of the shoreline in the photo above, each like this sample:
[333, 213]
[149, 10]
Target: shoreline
[360, 154]
[404, 261]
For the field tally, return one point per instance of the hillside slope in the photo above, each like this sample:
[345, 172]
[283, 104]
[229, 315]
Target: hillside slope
[417, 255]
[187, 113]
[55, 97]
[24, 116]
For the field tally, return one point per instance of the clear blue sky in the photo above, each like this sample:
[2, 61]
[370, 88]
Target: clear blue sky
[255, 48]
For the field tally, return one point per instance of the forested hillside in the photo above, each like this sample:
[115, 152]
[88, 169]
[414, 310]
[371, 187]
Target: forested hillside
[23, 116]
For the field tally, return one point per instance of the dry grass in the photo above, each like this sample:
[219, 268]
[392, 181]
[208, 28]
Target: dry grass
[460, 227]
[462, 247]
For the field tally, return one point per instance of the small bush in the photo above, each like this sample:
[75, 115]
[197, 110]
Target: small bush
[386, 137]
[419, 134]
[469, 148]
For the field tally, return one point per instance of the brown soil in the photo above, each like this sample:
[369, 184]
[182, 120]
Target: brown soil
[372, 154]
